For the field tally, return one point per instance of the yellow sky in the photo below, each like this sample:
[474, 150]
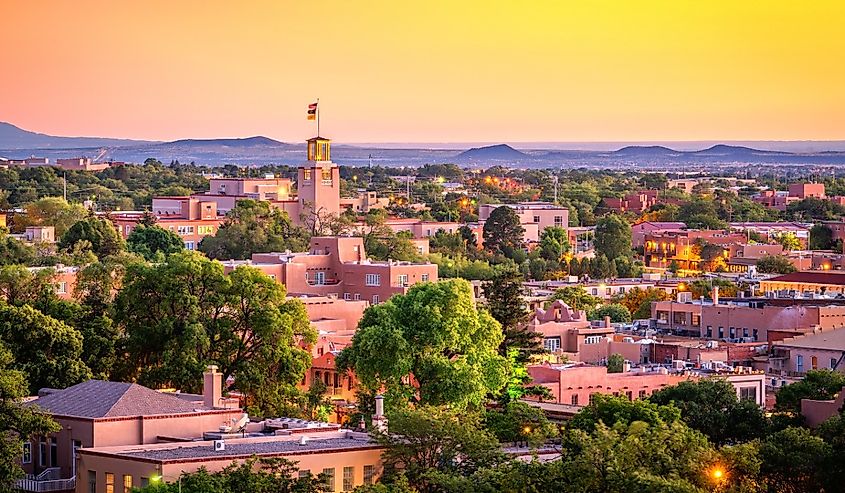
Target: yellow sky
[427, 71]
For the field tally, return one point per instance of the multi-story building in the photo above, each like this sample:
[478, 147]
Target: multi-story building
[534, 216]
[189, 217]
[779, 200]
[338, 266]
[662, 248]
[825, 283]
[823, 348]
[640, 230]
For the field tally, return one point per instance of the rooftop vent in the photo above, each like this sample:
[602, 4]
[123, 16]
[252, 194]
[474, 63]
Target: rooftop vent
[219, 445]
[303, 440]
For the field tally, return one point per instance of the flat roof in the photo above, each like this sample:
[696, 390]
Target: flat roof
[815, 277]
[832, 340]
[244, 447]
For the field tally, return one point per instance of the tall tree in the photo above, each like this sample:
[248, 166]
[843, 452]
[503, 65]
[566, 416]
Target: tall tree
[775, 264]
[153, 241]
[185, 313]
[554, 243]
[613, 237]
[576, 297]
[254, 227]
[638, 301]
[503, 232]
[47, 350]
[504, 299]
[17, 421]
[817, 385]
[98, 234]
[821, 237]
[435, 336]
[52, 211]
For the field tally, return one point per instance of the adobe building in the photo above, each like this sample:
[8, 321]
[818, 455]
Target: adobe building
[821, 349]
[662, 248]
[347, 458]
[534, 216]
[97, 413]
[338, 266]
[640, 230]
[189, 217]
[825, 283]
[575, 384]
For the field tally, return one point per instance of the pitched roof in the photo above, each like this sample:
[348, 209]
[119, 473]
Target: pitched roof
[101, 399]
[834, 278]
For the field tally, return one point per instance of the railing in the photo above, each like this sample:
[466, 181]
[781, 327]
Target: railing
[37, 485]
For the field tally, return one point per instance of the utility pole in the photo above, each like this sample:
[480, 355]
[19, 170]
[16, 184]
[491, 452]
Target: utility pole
[64, 184]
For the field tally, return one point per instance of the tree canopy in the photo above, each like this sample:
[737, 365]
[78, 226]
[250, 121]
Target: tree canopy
[503, 232]
[435, 336]
[152, 242]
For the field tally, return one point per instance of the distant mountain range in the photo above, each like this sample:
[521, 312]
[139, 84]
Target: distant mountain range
[17, 143]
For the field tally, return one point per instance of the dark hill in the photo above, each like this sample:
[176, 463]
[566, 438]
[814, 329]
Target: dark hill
[495, 152]
[647, 151]
[12, 137]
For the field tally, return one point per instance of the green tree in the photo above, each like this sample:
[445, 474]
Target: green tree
[617, 313]
[254, 227]
[503, 295]
[45, 349]
[503, 232]
[17, 421]
[615, 363]
[185, 313]
[817, 385]
[517, 421]
[775, 264]
[791, 459]
[14, 251]
[821, 237]
[52, 211]
[576, 297]
[712, 407]
[152, 242]
[435, 333]
[554, 243]
[97, 234]
[610, 410]
[613, 237]
[789, 241]
[254, 475]
[430, 438]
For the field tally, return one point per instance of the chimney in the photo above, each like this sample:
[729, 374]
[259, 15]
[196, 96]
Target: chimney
[212, 387]
[606, 322]
[715, 295]
[379, 419]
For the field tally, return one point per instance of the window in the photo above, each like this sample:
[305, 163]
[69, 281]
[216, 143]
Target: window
[347, 296]
[592, 339]
[696, 320]
[709, 331]
[128, 229]
[373, 280]
[832, 363]
[574, 399]
[189, 245]
[127, 483]
[109, 482]
[319, 278]
[608, 291]
[593, 397]
[748, 393]
[745, 332]
[205, 230]
[375, 299]
[814, 362]
[800, 363]
[306, 174]
[629, 395]
[369, 474]
[92, 481]
[621, 289]
[327, 175]
[536, 219]
[304, 473]
[424, 278]
[732, 332]
[54, 452]
[403, 279]
[42, 452]
[595, 291]
[329, 472]
[348, 478]
[61, 288]
[145, 482]
[754, 334]
[559, 221]
[551, 344]
[357, 296]
[642, 394]
[26, 458]
[721, 332]
[185, 230]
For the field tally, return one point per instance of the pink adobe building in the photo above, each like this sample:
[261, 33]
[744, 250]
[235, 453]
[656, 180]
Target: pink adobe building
[820, 349]
[640, 230]
[797, 191]
[189, 217]
[576, 384]
[101, 414]
[806, 190]
[816, 412]
[663, 247]
[534, 216]
[347, 458]
[827, 283]
[338, 266]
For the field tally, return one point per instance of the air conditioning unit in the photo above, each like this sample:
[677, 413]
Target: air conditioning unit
[219, 445]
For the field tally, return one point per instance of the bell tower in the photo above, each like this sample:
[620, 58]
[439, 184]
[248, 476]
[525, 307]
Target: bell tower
[318, 181]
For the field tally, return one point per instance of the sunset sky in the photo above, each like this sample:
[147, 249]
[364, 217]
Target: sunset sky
[427, 71]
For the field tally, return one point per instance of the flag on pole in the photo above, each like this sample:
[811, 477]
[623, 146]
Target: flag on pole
[312, 111]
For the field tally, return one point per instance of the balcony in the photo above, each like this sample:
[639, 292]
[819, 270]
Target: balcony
[49, 480]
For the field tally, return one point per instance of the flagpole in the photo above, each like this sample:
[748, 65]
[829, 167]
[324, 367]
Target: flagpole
[318, 117]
